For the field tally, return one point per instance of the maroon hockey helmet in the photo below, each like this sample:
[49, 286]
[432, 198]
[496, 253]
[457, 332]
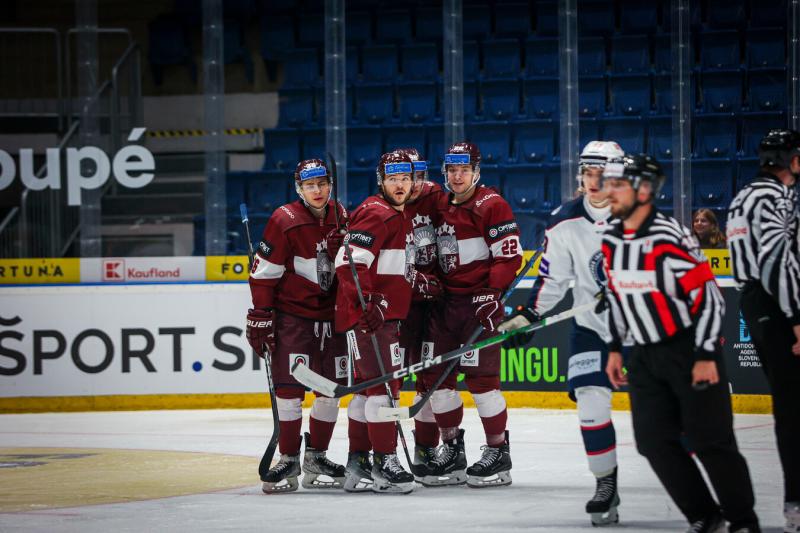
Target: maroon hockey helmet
[463, 153]
[309, 169]
[394, 163]
[420, 165]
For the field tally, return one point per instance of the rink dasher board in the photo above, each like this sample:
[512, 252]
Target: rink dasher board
[182, 345]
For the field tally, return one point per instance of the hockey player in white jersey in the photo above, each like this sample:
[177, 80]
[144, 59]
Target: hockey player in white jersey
[572, 254]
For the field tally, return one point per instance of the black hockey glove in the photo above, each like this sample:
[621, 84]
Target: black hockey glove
[521, 317]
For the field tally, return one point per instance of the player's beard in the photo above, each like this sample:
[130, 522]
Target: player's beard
[390, 199]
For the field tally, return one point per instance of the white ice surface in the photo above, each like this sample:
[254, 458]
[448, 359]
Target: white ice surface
[551, 481]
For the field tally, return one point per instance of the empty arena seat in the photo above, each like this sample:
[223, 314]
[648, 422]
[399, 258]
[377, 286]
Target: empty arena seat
[712, 183]
[722, 90]
[541, 57]
[591, 96]
[375, 102]
[364, 146]
[295, 107]
[501, 58]
[393, 26]
[767, 89]
[500, 99]
[525, 188]
[420, 62]
[379, 63]
[630, 54]
[719, 49]
[405, 136]
[628, 132]
[417, 101]
[494, 140]
[629, 93]
[766, 47]
[715, 135]
[541, 97]
[755, 126]
[512, 19]
[534, 141]
[281, 148]
[591, 55]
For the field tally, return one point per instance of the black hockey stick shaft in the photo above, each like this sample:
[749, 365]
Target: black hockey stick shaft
[266, 459]
[417, 407]
[334, 184]
[375, 346]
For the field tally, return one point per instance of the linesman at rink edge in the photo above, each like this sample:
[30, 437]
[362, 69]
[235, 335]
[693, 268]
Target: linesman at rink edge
[662, 293]
[763, 241]
[293, 288]
[572, 253]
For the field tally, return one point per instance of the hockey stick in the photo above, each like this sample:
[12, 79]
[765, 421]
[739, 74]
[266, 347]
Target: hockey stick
[396, 413]
[266, 459]
[329, 388]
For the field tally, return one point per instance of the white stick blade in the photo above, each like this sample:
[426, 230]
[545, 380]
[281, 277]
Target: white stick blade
[314, 381]
[392, 414]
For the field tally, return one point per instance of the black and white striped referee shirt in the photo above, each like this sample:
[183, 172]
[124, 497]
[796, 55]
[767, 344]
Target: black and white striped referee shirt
[659, 283]
[763, 241]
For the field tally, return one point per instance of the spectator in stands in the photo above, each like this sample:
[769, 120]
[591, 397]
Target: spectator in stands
[706, 228]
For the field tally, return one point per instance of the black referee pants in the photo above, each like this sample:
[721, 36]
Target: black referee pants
[664, 405]
[773, 338]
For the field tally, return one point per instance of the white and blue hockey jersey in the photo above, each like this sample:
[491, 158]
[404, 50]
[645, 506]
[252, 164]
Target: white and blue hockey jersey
[572, 254]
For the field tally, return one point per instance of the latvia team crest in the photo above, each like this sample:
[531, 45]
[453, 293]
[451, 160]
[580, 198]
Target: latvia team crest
[448, 247]
[424, 240]
[411, 252]
[324, 266]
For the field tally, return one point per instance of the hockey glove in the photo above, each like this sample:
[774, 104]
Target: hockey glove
[488, 310]
[373, 317]
[261, 330]
[521, 317]
[334, 241]
[602, 302]
[426, 285]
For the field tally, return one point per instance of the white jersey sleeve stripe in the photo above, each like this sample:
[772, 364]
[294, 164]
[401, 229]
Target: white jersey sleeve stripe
[266, 270]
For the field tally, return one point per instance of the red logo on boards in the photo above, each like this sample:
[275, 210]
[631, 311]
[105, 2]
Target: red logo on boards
[114, 270]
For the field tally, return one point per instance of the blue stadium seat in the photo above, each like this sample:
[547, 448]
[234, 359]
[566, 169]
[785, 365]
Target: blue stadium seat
[630, 94]
[277, 36]
[592, 96]
[546, 18]
[301, 68]
[492, 175]
[596, 17]
[665, 197]
[715, 135]
[236, 190]
[311, 33]
[767, 89]
[512, 19]
[472, 64]
[662, 90]
[746, 170]
[352, 61]
[630, 54]
[312, 144]
[591, 55]
[364, 146]
[719, 49]
[281, 148]
[722, 90]
[636, 16]
[435, 150]
[662, 53]
[375, 102]
[296, 107]
[541, 57]
[379, 62]
[428, 24]
[319, 95]
[476, 22]
[405, 136]
[494, 140]
[501, 58]
[361, 182]
[420, 62]
[500, 99]
[766, 47]
[534, 141]
[393, 26]
[525, 188]
[755, 126]
[531, 229]
[589, 131]
[541, 97]
[169, 45]
[712, 183]
[628, 132]
[725, 14]
[267, 191]
[764, 14]
[659, 137]
[417, 101]
[694, 16]
[358, 27]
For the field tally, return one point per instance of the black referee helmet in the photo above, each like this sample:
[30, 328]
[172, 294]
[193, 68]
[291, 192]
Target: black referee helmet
[778, 147]
[637, 168]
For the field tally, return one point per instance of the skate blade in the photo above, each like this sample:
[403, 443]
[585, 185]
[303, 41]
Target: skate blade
[608, 518]
[500, 479]
[321, 481]
[384, 487]
[285, 485]
[455, 478]
[354, 483]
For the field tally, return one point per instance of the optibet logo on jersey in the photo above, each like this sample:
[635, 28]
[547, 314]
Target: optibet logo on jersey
[114, 270]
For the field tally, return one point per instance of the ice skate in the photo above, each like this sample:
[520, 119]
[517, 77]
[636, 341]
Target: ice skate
[493, 469]
[319, 472]
[710, 524]
[388, 476]
[603, 505]
[423, 455]
[358, 472]
[449, 466]
[283, 476]
[791, 511]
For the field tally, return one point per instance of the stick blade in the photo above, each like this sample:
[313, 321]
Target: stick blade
[393, 414]
[314, 381]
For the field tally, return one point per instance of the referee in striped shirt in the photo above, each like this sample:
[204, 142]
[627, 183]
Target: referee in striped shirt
[662, 293]
[763, 240]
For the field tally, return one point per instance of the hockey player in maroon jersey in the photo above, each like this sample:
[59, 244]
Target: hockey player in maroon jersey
[293, 288]
[422, 208]
[381, 240]
[479, 254]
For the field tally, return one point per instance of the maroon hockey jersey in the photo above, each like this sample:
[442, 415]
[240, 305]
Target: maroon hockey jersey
[291, 271]
[423, 218]
[382, 243]
[478, 242]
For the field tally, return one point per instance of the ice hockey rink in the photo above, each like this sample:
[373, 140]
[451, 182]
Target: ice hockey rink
[196, 471]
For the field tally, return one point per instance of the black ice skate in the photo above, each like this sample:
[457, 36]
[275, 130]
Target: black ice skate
[358, 473]
[423, 455]
[449, 466]
[710, 524]
[388, 475]
[283, 476]
[493, 469]
[319, 471]
[603, 505]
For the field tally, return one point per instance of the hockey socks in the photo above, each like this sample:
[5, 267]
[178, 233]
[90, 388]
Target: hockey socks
[448, 410]
[322, 420]
[597, 429]
[357, 431]
[494, 416]
[382, 435]
[290, 415]
[426, 431]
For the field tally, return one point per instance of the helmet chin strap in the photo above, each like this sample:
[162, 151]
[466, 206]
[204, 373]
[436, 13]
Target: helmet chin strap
[476, 177]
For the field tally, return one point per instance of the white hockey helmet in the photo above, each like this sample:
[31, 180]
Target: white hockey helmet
[596, 154]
